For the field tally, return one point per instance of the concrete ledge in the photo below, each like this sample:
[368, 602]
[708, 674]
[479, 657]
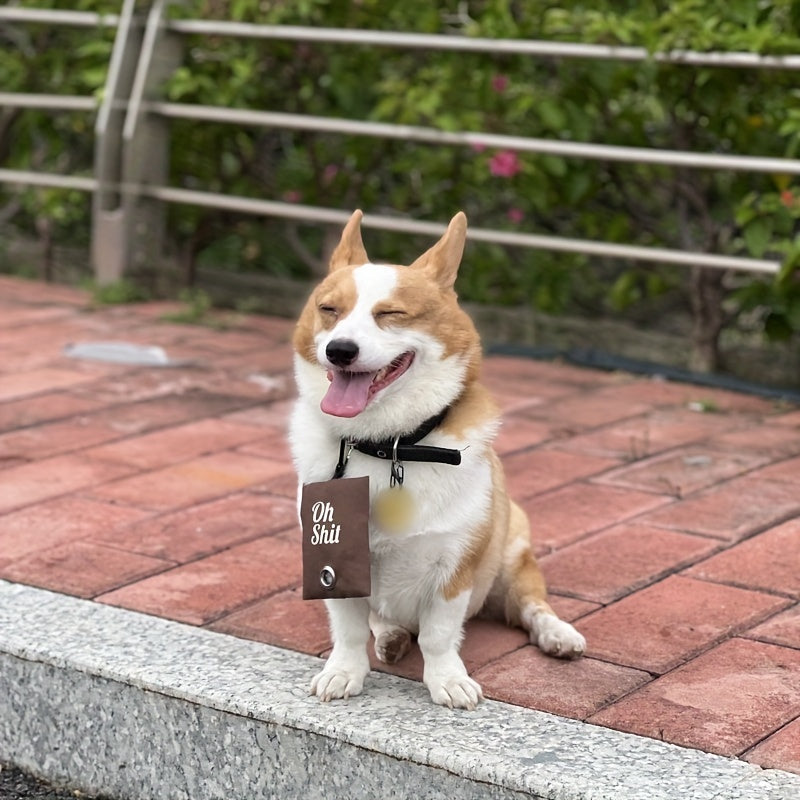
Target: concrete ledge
[117, 702]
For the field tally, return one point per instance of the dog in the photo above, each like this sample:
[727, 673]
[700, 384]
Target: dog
[384, 354]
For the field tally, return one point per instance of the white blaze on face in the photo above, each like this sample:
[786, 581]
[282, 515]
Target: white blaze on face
[374, 283]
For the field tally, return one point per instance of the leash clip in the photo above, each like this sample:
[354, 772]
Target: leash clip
[398, 470]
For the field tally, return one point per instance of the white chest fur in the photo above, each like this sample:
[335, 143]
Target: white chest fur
[450, 502]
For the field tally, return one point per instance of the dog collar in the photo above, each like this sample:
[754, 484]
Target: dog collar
[401, 448]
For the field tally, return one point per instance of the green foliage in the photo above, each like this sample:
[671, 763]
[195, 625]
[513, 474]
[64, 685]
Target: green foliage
[117, 293]
[650, 104]
[39, 58]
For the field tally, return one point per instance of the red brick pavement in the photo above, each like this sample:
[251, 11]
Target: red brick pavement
[666, 516]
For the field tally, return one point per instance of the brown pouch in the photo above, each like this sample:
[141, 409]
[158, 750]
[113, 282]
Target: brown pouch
[335, 519]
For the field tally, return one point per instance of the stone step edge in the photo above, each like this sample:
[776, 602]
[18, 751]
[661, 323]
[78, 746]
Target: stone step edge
[117, 702]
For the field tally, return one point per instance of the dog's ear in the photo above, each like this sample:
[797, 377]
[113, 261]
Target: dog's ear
[350, 249]
[442, 260]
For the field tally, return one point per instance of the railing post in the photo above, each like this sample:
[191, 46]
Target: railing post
[109, 240]
[132, 146]
[145, 143]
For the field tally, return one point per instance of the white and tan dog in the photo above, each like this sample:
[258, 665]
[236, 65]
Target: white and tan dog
[381, 351]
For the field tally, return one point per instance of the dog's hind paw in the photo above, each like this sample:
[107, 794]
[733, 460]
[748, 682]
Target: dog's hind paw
[392, 645]
[557, 638]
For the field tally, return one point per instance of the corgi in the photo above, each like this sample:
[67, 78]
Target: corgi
[386, 360]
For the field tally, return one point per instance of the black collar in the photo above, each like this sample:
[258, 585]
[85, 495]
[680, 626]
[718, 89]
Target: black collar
[401, 448]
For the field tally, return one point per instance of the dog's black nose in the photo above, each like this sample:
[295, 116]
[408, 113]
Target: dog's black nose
[342, 352]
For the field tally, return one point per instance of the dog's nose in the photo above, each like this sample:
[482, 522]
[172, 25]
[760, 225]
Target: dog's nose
[342, 352]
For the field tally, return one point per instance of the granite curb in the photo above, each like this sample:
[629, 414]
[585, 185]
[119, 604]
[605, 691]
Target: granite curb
[116, 702]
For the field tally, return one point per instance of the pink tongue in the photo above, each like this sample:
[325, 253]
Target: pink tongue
[348, 394]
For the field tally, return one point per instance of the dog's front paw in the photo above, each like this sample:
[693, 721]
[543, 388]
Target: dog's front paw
[558, 638]
[336, 682]
[454, 691]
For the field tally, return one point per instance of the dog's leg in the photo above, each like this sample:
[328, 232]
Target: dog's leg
[392, 641]
[348, 664]
[526, 603]
[440, 630]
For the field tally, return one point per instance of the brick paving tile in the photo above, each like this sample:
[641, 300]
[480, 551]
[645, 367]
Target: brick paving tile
[733, 510]
[38, 381]
[564, 515]
[791, 419]
[16, 317]
[537, 471]
[786, 471]
[16, 414]
[515, 395]
[283, 620]
[659, 627]
[570, 608]
[66, 519]
[655, 392]
[783, 628]
[619, 560]
[725, 701]
[190, 481]
[179, 443]
[575, 689]
[714, 401]
[774, 440]
[779, 751]
[646, 435]
[587, 410]
[190, 533]
[37, 293]
[54, 438]
[284, 484]
[142, 416]
[82, 568]
[262, 416]
[517, 433]
[269, 442]
[683, 471]
[204, 590]
[769, 561]
[41, 480]
[523, 368]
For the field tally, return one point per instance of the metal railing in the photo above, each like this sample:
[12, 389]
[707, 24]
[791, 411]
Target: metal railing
[129, 189]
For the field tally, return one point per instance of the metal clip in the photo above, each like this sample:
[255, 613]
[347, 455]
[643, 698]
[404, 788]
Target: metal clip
[398, 470]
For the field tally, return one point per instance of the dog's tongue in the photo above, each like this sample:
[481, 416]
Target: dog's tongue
[348, 394]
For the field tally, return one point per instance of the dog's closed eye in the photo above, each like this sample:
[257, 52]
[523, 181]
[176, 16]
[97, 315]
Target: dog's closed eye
[388, 313]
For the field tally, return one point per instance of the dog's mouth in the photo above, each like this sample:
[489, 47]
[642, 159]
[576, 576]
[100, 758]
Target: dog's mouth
[350, 392]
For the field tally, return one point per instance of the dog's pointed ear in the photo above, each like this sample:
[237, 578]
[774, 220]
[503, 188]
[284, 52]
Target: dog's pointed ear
[441, 262]
[350, 249]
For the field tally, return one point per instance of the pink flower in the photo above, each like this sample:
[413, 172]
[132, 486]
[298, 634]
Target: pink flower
[516, 215]
[787, 198]
[504, 164]
[329, 173]
[499, 83]
[292, 196]
[478, 147]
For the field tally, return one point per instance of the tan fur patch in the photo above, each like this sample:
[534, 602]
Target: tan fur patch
[487, 542]
[337, 291]
[474, 408]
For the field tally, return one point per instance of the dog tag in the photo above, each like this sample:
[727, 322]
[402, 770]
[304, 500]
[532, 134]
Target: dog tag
[334, 516]
[394, 510]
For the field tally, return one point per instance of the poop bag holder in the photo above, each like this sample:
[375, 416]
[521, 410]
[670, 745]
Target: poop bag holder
[335, 519]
